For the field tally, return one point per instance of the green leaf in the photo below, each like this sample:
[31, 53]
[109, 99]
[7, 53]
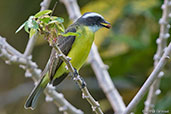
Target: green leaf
[32, 32]
[35, 24]
[26, 28]
[45, 19]
[20, 27]
[54, 21]
[60, 28]
[59, 19]
[30, 22]
[41, 13]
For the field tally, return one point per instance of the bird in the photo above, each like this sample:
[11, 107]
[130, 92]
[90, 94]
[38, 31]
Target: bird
[75, 47]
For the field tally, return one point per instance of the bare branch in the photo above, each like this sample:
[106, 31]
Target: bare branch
[32, 70]
[150, 80]
[86, 94]
[45, 4]
[11, 55]
[105, 81]
[161, 45]
[97, 64]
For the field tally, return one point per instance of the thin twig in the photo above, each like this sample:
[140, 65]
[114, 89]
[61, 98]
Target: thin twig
[11, 55]
[97, 64]
[161, 45]
[86, 94]
[164, 59]
[32, 70]
[30, 45]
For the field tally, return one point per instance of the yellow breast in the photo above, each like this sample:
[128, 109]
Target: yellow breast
[79, 51]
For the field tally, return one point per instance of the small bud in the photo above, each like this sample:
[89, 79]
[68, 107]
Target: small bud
[161, 21]
[84, 96]
[51, 86]
[168, 26]
[169, 15]
[14, 58]
[56, 55]
[105, 66]
[93, 108]
[28, 74]
[63, 108]
[66, 67]
[158, 41]
[166, 36]
[165, 49]
[75, 79]
[8, 62]
[163, 6]
[48, 99]
[29, 57]
[68, 58]
[60, 55]
[156, 57]
[161, 74]
[35, 83]
[22, 66]
[38, 71]
[158, 91]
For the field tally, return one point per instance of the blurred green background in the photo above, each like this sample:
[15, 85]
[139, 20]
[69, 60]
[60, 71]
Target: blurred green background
[128, 49]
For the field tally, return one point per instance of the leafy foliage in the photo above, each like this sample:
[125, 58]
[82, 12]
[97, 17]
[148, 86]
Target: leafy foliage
[47, 26]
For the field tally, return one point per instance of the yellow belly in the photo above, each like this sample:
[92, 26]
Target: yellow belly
[80, 50]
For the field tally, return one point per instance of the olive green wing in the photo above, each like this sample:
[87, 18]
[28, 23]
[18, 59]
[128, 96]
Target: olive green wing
[65, 44]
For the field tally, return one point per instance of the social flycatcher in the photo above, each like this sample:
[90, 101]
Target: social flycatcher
[76, 47]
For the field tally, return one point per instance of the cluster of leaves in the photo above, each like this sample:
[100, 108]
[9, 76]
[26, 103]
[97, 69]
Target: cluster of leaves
[46, 25]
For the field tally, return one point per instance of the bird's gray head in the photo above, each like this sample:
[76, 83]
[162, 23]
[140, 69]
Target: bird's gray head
[94, 21]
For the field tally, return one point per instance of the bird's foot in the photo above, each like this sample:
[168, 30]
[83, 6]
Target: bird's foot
[75, 72]
[76, 77]
[83, 83]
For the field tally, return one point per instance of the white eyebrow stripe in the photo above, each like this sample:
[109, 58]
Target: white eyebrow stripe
[92, 15]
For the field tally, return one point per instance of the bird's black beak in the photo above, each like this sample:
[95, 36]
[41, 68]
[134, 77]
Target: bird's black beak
[106, 24]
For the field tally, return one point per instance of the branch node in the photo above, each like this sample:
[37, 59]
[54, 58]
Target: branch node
[166, 36]
[94, 107]
[156, 57]
[51, 87]
[157, 92]
[48, 98]
[168, 26]
[68, 58]
[85, 96]
[60, 55]
[169, 15]
[28, 73]
[63, 108]
[163, 6]
[66, 67]
[158, 41]
[22, 66]
[14, 58]
[162, 21]
[8, 62]
[161, 74]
